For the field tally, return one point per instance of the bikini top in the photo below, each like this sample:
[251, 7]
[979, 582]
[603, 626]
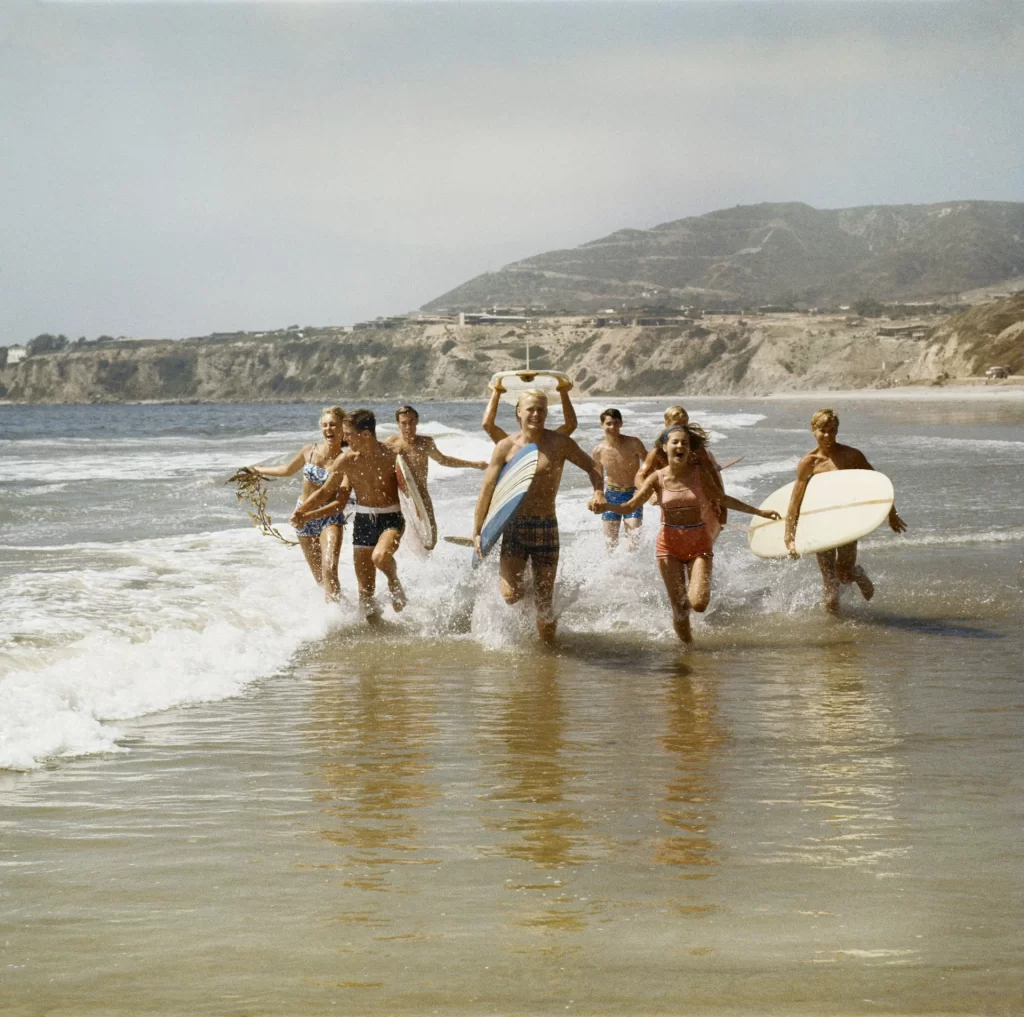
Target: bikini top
[313, 473]
[691, 497]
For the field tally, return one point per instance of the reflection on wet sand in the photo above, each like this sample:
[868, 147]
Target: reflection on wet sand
[541, 824]
[691, 737]
[848, 778]
[373, 733]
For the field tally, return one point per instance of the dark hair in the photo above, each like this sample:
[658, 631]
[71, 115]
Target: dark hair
[613, 413]
[697, 436]
[363, 420]
[407, 409]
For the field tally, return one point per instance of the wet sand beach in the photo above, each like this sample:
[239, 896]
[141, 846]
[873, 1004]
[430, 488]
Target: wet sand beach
[224, 798]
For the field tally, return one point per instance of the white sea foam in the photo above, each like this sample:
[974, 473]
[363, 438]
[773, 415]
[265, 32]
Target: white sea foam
[189, 620]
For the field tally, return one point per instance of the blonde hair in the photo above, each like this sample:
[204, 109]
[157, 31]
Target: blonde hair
[538, 392]
[333, 411]
[825, 416]
[676, 414]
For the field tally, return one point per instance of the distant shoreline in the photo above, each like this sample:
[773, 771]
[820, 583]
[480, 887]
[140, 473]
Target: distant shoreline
[954, 390]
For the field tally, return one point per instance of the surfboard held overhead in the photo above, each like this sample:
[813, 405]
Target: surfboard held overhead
[515, 383]
[838, 508]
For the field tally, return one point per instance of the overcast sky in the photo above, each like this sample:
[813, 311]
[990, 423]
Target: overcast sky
[172, 169]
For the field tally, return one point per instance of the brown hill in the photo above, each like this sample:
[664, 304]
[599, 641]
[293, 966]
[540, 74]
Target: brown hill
[769, 254]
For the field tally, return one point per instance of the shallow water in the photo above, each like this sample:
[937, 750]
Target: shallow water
[281, 811]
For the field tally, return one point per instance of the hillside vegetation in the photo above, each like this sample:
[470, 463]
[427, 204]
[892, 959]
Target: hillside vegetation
[769, 254]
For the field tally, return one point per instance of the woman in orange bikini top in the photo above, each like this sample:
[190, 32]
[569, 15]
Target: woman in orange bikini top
[691, 501]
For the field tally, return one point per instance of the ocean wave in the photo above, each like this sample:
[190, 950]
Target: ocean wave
[161, 623]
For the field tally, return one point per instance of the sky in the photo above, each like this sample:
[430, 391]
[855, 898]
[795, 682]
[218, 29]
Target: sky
[175, 169]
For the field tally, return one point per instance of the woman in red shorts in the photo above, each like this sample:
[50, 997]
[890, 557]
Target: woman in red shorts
[691, 500]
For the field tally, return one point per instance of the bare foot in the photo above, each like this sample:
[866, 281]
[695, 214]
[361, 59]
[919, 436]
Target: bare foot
[546, 631]
[866, 587]
[681, 623]
[831, 603]
[369, 609]
[398, 597]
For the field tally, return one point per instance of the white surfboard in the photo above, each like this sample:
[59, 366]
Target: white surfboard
[516, 382]
[413, 507]
[838, 507]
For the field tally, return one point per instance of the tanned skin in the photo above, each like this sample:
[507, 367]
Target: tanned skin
[555, 449]
[368, 468]
[839, 565]
[321, 552]
[619, 456]
[418, 450]
[685, 591]
[497, 434]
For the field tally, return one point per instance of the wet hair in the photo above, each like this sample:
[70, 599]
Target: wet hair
[363, 420]
[613, 413]
[825, 416]
[696, 436]
[333, 411]
[538, 392]
[407, 409]
[676, 414]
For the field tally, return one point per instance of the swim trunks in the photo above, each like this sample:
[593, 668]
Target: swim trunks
[684, 543]
[370, 524]
[529, 537]
[619, 496]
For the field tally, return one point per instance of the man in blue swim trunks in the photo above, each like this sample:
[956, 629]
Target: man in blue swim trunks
[367, 467]
[619, 456]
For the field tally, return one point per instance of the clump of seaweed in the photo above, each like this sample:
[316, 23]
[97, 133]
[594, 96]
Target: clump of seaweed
[249, 487]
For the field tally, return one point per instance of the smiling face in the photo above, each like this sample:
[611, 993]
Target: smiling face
[825, 432]
[677, 446]
[611, 426]
[407, 425]
[532, 411]
[356, 439]
[330, 427]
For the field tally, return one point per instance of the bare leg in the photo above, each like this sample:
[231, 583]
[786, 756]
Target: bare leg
[510, 578]
[366, 580]
[827, 565]
[632, 527]
[311, 549]
[700, 584]
[611, 532]
[673, 574]
[383, 558]
[848, 571]
[330, 549]
[544, 591]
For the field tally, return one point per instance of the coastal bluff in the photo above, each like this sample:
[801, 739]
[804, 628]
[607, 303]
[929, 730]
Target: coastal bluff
[717, 354]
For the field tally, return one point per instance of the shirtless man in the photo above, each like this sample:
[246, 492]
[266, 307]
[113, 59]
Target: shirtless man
[368, 468]
[839, 565]
[418, 449]
[532, 533]
[619, 456]
[497, 434]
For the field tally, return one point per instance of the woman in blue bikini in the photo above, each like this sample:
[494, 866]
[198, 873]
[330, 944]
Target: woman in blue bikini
[319, 538]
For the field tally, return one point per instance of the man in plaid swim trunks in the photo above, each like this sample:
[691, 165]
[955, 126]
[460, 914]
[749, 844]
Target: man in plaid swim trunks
[531, 535]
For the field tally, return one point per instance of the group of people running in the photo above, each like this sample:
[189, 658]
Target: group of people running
[679, 473]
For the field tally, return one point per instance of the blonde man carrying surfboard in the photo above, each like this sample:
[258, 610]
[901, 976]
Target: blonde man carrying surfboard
[838, 565]
[368, 468]
[531, 535]
[419, 449]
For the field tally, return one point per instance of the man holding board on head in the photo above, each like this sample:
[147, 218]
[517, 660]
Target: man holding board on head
[531, 534]
[839, 564]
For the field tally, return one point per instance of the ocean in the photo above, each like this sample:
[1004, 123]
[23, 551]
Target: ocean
[219, 794]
